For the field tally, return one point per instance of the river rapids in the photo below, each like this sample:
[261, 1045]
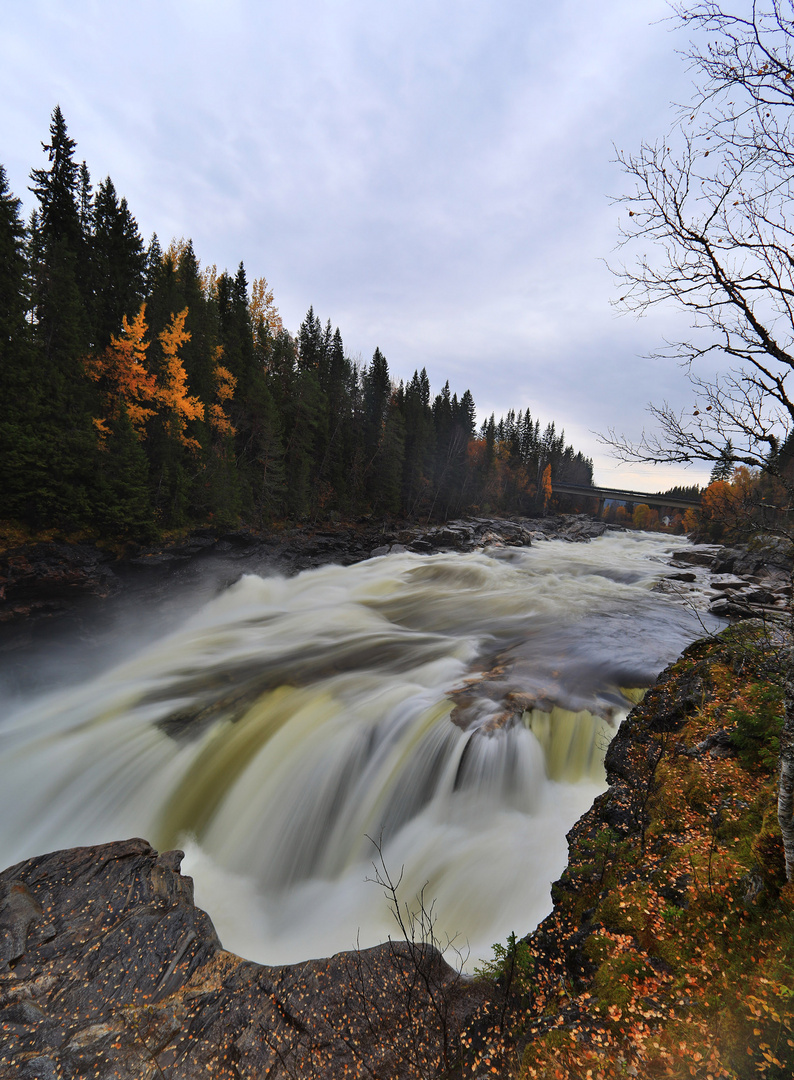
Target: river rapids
[450, 712]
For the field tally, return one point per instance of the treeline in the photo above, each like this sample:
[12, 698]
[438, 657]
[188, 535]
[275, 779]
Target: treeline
[142, 393]
[742, 502]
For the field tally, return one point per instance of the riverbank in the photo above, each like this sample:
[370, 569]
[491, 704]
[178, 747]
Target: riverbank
[53, 590]
[671, 932]
[668, 952]
[44, 578]
[670, 948]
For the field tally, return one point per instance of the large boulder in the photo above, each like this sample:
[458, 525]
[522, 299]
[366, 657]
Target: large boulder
[109, 970]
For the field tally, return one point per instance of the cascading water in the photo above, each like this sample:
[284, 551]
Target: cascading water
[454, 708]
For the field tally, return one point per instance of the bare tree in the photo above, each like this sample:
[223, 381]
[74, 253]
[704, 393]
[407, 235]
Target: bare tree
[711, 220]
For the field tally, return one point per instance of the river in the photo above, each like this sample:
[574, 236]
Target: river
[454, 709]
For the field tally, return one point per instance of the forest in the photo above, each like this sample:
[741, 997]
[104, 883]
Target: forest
[145, 394]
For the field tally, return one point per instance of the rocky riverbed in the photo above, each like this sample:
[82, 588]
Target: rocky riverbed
[744, 582]
[47, 579]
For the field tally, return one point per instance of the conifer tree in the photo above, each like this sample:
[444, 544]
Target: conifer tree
[19, 387]
[420, 442]
[126, 383]
[152, 265]
[61, 336]
[86, 202]
[724, 466]
[176, 403]
[122, 502]
[118, 264]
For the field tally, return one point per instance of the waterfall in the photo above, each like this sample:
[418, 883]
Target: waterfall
[453, 710]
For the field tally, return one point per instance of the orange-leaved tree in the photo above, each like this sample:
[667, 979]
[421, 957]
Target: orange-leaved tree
[126, 383]
[731, 508]
[644, 518]
[545, 486]
[225, 384]
[262, 307]
[172, 390]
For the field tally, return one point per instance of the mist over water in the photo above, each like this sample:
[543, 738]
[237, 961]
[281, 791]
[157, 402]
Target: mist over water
[455, 708]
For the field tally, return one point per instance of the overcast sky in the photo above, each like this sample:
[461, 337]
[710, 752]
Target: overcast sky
[431, 175]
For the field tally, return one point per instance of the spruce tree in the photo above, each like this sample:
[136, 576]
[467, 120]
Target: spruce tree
[61, 283]
[724, 466]
[19, 387]
[153, 262]
[118, 264]
[123, 506]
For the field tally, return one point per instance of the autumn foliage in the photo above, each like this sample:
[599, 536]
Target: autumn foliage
[545, 486]
[670, 949]
[128, 385]
[125, 381]
[178, 406]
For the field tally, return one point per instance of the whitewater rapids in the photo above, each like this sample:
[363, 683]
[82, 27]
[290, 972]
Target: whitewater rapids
[453, 708]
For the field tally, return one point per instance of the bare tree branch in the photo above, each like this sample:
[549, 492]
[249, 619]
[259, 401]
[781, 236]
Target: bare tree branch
[710, 225]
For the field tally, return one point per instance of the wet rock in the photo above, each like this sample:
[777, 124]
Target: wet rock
[726, 582]
[697, 555]
[581, 527]
[761, 555]
[718, 744]
[46, 578]
[18, 912]
[734, 608]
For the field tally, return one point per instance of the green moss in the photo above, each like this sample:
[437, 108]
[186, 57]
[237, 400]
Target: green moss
[696, 792]
[758, 721]
[597, 949]
[616, 978]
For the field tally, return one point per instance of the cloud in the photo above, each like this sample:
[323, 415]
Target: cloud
[432, 177]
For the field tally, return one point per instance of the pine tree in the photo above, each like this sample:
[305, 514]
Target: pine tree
[310, 343]
[86, 202]
[337, 431]
[118, 264]
[122, 504]
[19, 387]
[152, 265]
[60, 314]
[13, 273]
[198, 356]
[724, 466]
[61, 283]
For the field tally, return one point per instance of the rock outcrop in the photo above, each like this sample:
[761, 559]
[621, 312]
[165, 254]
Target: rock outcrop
[745, 582]
[108, 970]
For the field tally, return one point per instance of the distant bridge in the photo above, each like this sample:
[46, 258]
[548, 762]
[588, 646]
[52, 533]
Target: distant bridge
[603, 494]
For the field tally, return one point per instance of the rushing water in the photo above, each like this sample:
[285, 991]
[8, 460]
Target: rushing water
[455, 708]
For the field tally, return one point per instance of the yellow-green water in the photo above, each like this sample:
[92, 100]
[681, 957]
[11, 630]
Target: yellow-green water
[291, 722]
